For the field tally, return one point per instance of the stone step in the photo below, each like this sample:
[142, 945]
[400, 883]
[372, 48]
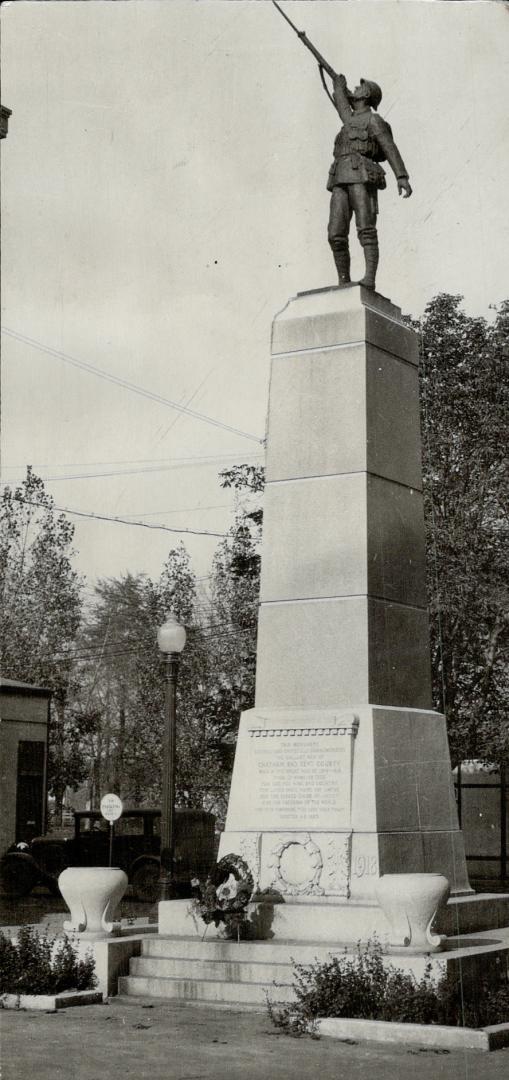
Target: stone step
[474, 913]
[243, 973]
[194, 948]
[217, 970]
[213, 990]
[241, 961]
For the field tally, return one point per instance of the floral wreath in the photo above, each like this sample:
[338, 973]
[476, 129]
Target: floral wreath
[224, 896]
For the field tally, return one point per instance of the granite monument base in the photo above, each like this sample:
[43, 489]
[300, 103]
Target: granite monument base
[323, 802]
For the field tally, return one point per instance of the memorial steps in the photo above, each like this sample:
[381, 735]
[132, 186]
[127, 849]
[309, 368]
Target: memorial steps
[243, 973]
[224, 972]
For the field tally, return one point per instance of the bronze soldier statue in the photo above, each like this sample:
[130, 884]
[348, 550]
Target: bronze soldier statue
[356, 175]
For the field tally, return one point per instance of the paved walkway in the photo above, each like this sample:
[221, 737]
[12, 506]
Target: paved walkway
[126, 1039]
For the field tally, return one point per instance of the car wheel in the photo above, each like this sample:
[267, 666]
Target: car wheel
[145, 882]
[17, 875]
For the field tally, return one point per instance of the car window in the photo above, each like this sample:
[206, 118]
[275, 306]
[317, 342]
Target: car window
[91, 825]
[129, 826]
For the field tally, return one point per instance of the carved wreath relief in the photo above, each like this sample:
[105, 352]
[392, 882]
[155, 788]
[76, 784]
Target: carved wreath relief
[299, 867]
[296, 872]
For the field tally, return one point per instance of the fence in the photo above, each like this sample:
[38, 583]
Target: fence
[483, 811]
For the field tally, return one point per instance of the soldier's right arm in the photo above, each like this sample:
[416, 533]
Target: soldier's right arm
[340, 98]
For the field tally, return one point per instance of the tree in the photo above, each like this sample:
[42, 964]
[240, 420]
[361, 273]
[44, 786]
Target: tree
[200, 780]
[40, 610]
[464, 398]
[124, 684]
[114, 638]
[234, 603]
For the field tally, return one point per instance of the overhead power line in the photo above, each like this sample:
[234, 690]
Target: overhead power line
[123, 647]
[124, 521]
[120, 472]
[222, 638]
[212, 459]
[181, 510]
[83, 365]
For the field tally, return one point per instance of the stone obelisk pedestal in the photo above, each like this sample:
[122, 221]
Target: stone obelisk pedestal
[342, 769]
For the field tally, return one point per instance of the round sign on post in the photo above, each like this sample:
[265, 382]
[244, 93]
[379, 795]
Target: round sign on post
[111, 807]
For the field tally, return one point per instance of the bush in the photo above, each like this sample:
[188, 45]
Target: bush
[363, 987]
[37, 964]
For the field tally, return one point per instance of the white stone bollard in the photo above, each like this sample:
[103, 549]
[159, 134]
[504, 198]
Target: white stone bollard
[92, 894]
[410, 903]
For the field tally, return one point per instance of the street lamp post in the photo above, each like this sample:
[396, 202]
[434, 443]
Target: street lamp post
[171, 638]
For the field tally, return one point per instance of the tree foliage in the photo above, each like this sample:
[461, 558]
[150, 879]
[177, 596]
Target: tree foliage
[124, 684]
[40, 591]
[464, 400]
[40, 611]
[234, 594]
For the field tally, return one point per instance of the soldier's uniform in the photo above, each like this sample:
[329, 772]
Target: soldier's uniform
[355, 177]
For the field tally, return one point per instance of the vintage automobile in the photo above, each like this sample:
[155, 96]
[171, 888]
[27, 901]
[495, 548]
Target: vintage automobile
[136, 847]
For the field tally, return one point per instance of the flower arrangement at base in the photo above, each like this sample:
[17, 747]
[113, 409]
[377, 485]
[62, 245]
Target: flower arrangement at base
[225, 895]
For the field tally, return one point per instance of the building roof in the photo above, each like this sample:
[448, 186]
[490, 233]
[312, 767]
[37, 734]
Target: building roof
[14, 686]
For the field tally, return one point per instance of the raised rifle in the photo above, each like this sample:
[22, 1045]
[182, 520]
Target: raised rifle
[322, 63]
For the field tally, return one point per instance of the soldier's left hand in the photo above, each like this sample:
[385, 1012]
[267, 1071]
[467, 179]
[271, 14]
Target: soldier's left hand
[404, 188]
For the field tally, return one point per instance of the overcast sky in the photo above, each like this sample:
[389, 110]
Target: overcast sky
[163, 190]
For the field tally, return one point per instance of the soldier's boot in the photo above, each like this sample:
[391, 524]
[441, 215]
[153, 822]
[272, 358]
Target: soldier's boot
[369, 239]
[341, 253]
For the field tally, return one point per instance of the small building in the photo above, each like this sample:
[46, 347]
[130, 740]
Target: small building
[24, 718]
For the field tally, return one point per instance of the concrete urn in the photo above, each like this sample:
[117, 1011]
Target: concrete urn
[410, 903]
[92, 894]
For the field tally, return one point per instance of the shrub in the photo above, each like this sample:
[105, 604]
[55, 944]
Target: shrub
[36, 964]
[363, 987]
[69, 972]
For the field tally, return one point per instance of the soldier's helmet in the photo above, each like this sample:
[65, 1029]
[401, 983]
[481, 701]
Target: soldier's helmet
[375, 93]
